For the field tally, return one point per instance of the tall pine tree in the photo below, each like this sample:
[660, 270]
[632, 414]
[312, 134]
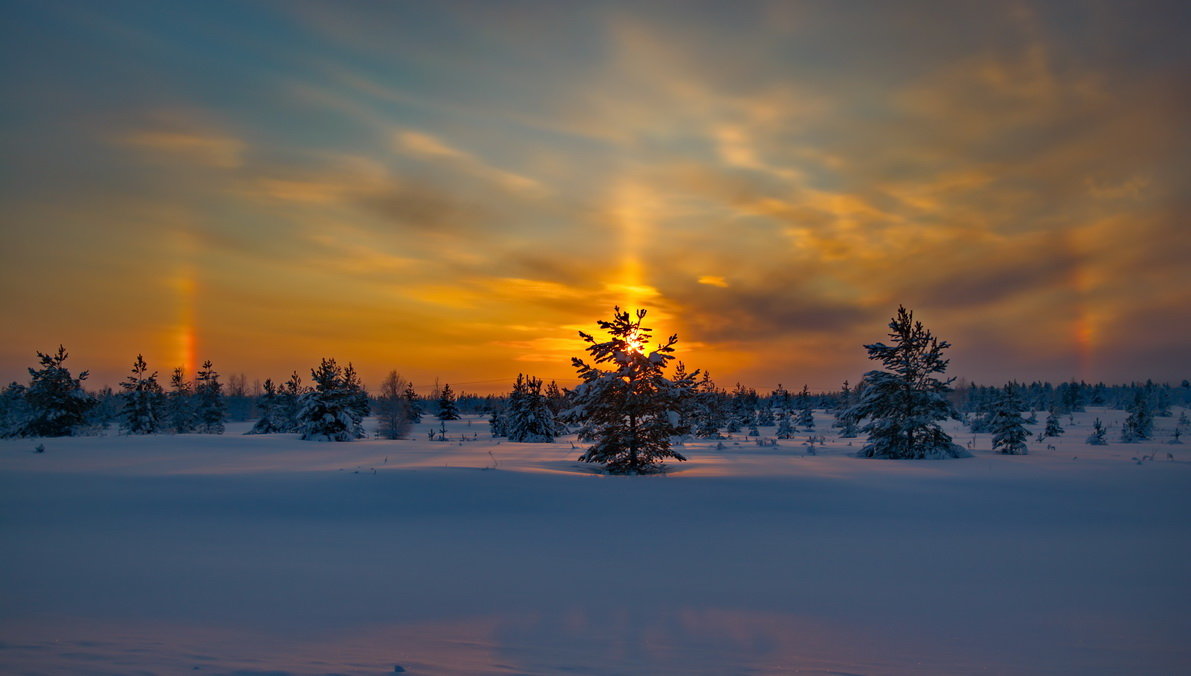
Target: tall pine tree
[143, 400]
[210, 408]
[902, 405]
[180, 403]
[630, 409]
[1007, 425]
[447, 408]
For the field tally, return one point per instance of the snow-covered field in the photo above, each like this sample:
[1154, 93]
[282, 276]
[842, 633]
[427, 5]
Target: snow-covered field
[268, 555]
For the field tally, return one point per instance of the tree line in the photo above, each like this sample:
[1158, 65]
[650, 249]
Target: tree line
[629, 405]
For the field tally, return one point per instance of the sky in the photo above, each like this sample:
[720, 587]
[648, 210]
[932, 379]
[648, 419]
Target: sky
[453, 190]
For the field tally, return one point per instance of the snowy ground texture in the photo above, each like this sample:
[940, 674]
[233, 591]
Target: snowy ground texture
[269, 555]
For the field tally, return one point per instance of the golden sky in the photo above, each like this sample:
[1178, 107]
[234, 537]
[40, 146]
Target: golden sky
[453, 190]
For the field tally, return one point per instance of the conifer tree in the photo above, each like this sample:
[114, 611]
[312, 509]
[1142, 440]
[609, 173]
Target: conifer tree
[357, 395]
[806, 414]
[1053, 428]
[844, 421]
[413, 406]
[1008, 427]
[785, 427]
[210, 409]
[180, 412]
[392, 420]
[528, 417]
[631, 408]
[143, 399]
[329, 412]
[497, 423]
[289, 403]
[1139, 425]
[1096, 438]
[54, 404]
[904, 404]
[710, 412]
[272, 419]
[447, 407]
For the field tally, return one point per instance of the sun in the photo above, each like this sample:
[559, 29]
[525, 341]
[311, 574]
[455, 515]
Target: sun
[637, 343]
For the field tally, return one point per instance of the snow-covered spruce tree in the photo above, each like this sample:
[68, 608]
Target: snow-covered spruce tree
[329, 411]
[709, 409]
[497, 423]
[357, 394]
[528, 417]
[806, 414]
[447, 407]
[785, 426]
[1096, 438]
[630, 409]
[1053, 428]
[289, 403]
[56, 404]
[210, 409]
[179, 404]
[14, 410]
[269, 405]
[143, 400]
[688, 414]
[1008, 427]
[844, 421]
[1139, 425]
[901, 407]
[413, 405]
[392, 420]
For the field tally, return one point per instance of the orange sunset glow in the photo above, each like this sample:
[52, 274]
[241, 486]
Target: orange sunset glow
[454, 190]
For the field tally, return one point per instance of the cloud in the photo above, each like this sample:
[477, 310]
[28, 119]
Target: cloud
[203, 149]
[424, 145]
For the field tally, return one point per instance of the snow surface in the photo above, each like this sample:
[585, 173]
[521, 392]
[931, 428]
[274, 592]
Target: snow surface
[269, 555]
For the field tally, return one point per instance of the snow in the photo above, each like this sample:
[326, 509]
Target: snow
[266, 554]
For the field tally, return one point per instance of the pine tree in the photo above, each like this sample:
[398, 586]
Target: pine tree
[357, 395]
[1053, 428]
[392, 420]
[447, 408]
[14, 410]
[1096, 438]
[785, 427]
[710, 412]
[1008, 427]
[180, 413]
[528, 417]
[289, 403]
[903, 404]
[329, 412]
[55, 404]
[272, 419]
[143, 400]
[497, 423]
[806, 414]
[413, 406]
[1139, 425]
[630, 409]
[844, 421]
[210, 409]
